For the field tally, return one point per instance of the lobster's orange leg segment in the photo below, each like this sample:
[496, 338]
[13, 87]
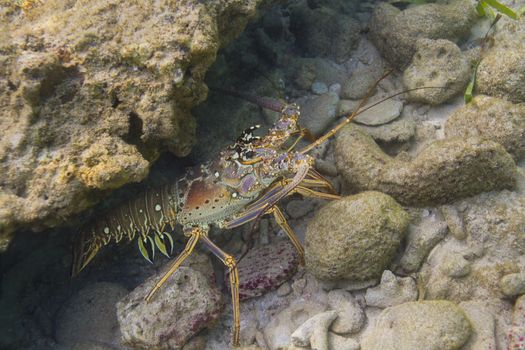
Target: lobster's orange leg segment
[281, 221]
[196, 233]
[231, 264]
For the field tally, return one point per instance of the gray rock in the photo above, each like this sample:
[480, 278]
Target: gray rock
[335, 88]
[319, 88]
[380, 114]
[436, 63]
[395, 32]
[483, 326]
[350, 316]
[501, 72]
[355, 237]
[419, 326]
[314, 332]
[298, 208]
[493, 119]
[421, 238]
[90, 315]
[513, 284]
[391, 291]
[187, 303]
[444, 171]
[317, 29]
[318, 112]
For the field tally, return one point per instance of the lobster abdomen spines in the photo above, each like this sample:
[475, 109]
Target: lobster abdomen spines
[146, 216]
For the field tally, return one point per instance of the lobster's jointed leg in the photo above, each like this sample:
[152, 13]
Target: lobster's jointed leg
[281, 221]
[231, 264]
[308, 192]
[195, 234]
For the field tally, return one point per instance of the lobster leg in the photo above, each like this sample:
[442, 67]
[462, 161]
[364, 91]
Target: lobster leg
[196, 233]
[281, 221]
[231, 264]
[308, 192]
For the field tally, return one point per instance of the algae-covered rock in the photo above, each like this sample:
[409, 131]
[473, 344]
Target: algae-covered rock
[436, 325]
[500, 72]
[436, 63]
[493, 119]
[188, 302]
[395, 32]
[446, 170]
[355, 237]
[91, 93]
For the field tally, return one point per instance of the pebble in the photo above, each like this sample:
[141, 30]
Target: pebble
[513, 284]
[284, 289]
[298, 208]
[391, 291]
[455, 266]
[421, 238]
[454, 221]
[319, 88]
[335, 88]
[337, 342]
[314, 332]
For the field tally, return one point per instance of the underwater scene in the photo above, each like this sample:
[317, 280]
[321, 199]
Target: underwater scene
[262, 174]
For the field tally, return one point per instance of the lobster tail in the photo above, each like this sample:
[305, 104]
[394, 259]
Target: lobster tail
[146, 217]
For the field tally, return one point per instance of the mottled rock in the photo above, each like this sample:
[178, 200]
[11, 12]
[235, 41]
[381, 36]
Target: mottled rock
[419, 325]
[96, 93]
[188, 302]
[395, 32]
[494, 247]
[513, 284]
[500, 72]
[266, 267]
[493, 119]
[90, 315]
[391, 291]
[277, 332]
[318, 112]
[314, 332]
[355, 237]
[317, 29]
[483, 326]
[444, 171]
[350, 316]
[298, 208]
[436, 63]
[421, 238]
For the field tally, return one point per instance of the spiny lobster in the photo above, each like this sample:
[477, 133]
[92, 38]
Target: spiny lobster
[245, 182]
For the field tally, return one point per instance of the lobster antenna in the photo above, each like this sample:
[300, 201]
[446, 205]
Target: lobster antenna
[358, 111]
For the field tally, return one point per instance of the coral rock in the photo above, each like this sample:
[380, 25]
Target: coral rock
[391, 291]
